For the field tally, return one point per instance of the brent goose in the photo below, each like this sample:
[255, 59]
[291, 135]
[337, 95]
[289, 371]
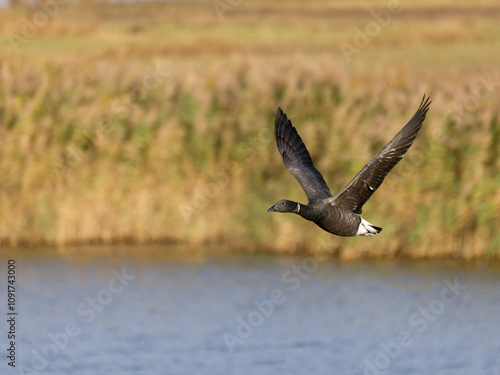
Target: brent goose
[338, 215]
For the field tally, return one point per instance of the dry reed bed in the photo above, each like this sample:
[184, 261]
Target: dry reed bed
[109, 152]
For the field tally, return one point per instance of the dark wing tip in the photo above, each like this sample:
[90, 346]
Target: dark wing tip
[415, 123]
[424, 104]
[289, 143]
[421, 113]
[281, 120]
[280, 115]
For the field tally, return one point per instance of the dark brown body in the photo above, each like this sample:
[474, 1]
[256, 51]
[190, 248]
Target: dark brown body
[331, 218]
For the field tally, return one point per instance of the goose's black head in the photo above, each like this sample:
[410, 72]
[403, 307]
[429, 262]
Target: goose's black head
[285, 206]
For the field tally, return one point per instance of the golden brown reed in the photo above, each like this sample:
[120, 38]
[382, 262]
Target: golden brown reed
[138, 142]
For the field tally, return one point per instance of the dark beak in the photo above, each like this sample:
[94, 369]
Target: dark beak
[272, 209]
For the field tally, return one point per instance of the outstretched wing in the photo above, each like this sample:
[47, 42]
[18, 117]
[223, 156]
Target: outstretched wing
[297, 159]
[355, 194]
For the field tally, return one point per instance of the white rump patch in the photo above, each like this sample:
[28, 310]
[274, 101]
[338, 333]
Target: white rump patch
[298, 207]
[366, 229]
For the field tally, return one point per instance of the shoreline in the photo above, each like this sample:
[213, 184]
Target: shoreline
[185, 250]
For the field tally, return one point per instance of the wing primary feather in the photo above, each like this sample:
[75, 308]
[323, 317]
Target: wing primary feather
[297, 159]
[355, 194]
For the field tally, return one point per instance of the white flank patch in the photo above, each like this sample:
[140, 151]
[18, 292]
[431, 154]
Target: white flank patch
[366, 229]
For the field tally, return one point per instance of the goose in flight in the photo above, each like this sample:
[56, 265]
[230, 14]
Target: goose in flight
[340, 214]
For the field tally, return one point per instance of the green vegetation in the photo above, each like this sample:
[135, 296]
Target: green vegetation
[153, 122]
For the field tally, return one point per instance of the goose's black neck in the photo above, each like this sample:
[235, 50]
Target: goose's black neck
[312, 212]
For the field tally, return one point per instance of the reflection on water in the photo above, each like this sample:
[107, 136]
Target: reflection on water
[103, 311]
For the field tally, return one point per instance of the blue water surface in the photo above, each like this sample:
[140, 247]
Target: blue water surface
[157, 310]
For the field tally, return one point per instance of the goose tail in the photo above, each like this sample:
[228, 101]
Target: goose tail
[367, 229]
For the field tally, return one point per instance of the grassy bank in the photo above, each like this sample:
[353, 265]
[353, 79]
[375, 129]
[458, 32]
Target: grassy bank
[153, 122]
